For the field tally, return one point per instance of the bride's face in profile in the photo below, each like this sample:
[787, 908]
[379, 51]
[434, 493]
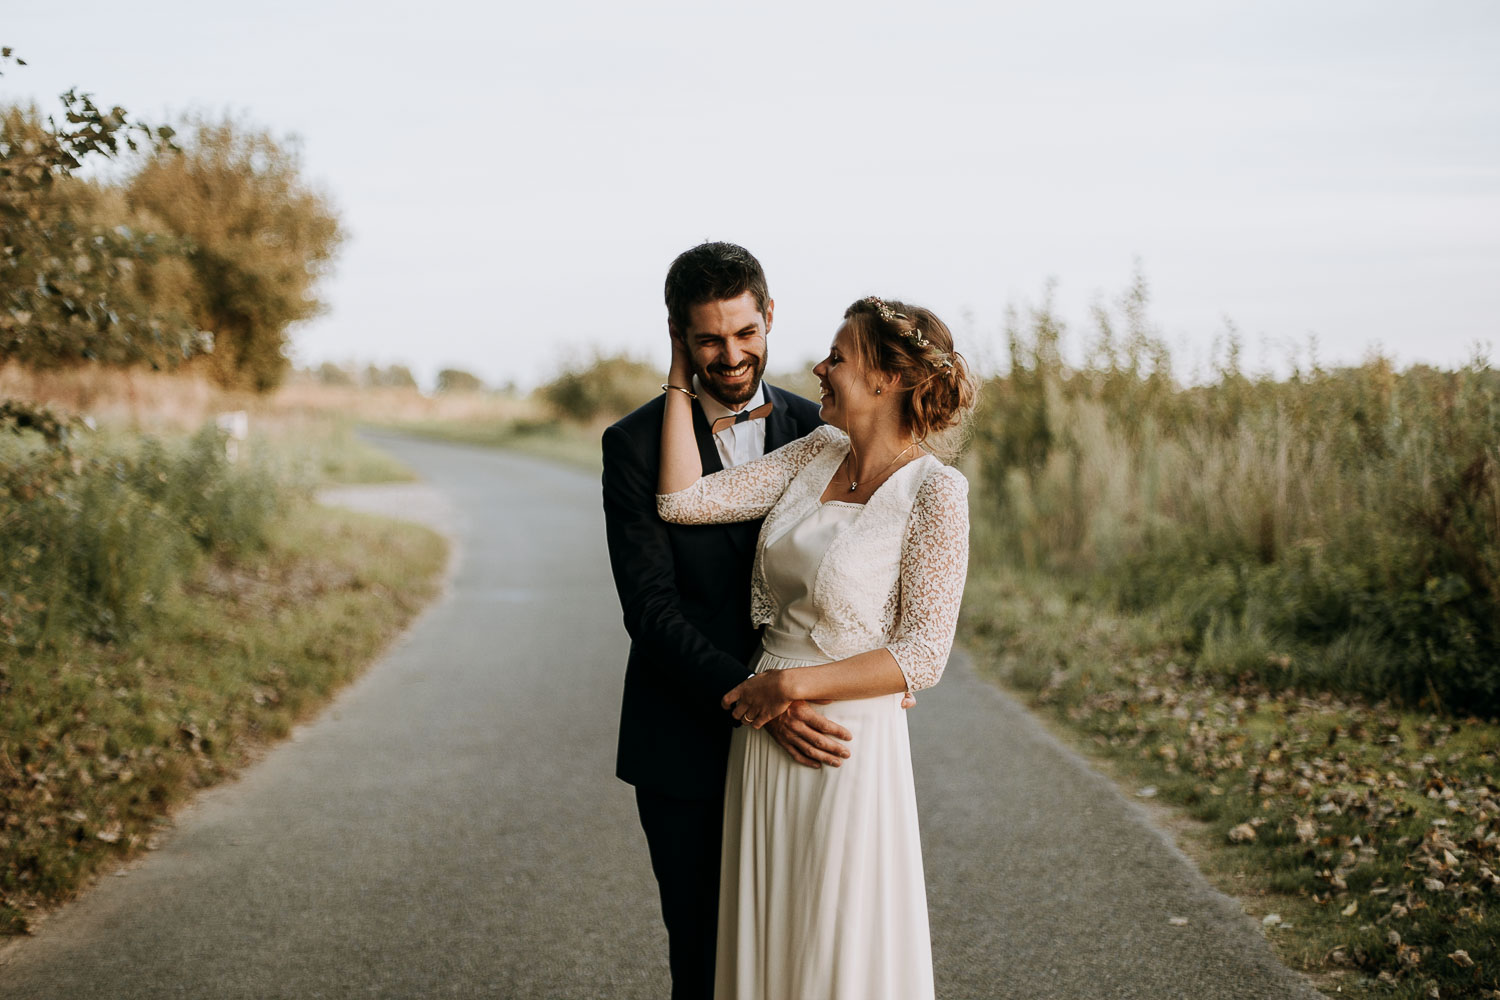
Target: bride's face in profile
[847, 393]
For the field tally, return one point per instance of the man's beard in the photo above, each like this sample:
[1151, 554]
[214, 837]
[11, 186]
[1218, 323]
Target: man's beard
[732, 395]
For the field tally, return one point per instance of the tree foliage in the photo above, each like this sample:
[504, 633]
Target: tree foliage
[458, 380]
[607, 387]
[73, 276]
[390, 377]
[260, 237]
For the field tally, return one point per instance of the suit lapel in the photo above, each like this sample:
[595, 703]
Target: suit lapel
[707, 450]
[780, 429]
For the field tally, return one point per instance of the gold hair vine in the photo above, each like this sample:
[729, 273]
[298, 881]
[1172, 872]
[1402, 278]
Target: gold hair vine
[914, 335]
[886, 312]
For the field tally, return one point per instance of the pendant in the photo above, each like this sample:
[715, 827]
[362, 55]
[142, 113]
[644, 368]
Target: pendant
[853, 486]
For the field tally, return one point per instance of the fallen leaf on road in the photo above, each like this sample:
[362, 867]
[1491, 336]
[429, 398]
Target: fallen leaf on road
[1462, 958]
[1182, 922]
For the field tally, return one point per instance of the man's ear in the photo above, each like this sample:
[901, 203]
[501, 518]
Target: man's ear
[770, 312]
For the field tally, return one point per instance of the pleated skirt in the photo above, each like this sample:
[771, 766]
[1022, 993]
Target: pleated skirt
[821, 891]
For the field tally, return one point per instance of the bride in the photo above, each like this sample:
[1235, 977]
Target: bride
[858, 573]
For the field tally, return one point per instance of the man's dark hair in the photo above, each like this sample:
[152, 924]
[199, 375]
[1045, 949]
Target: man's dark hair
[712, 272]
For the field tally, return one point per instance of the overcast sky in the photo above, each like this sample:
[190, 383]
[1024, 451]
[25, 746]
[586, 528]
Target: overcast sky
[515, 178]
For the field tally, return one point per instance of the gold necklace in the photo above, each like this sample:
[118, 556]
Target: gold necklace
[849, 461]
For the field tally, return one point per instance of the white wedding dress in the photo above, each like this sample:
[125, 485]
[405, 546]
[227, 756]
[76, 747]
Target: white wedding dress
[821, 894]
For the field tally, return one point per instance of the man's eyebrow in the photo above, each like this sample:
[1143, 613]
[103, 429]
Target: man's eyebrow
[750, 328]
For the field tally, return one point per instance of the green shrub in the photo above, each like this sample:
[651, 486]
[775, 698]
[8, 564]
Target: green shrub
[1336, 529]
[458, 380]
[92, 542]
[607, 388]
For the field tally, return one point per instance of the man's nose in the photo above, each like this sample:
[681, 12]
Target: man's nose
[733, 355]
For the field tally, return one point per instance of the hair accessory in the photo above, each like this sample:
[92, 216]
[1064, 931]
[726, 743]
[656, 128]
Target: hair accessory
[886, 312]
[914, 335]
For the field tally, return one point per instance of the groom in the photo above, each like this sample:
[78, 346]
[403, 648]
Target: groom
[685, 592]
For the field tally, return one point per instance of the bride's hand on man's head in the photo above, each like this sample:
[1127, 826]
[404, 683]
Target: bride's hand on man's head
[681, 371]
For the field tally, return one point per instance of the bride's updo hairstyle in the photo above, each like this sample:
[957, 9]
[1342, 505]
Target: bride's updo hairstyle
[893, 338]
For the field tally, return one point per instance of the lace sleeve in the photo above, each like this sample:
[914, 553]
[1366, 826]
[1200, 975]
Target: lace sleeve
[934, 565]
[744, 492]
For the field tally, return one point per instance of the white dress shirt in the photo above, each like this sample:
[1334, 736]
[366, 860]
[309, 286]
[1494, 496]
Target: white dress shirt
[737, 443]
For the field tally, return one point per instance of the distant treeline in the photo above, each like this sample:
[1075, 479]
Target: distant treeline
[393, 377]
[202, 250]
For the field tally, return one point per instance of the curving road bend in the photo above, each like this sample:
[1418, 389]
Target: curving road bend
[451, 826]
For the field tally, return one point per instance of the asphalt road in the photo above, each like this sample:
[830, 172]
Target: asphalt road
[451, 826]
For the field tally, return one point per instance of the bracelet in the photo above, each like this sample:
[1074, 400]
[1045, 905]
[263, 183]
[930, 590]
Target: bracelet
[688, 392]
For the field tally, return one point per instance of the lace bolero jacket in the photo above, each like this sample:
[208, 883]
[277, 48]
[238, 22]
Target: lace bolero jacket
[892, 578]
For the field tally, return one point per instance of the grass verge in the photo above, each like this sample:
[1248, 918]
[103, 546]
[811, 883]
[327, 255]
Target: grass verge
[98, 742]
[568, 443]
[323, 450]
[1364, 838]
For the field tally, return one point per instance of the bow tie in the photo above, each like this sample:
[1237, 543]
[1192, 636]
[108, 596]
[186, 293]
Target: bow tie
[761, 412]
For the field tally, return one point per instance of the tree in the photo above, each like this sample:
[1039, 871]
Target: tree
[391, 377]
[607, 387]
[260, 236]
[458, 380]
[75, 268]
[329, 373]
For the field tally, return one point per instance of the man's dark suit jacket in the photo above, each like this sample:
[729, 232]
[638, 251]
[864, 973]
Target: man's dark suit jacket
[685, 592]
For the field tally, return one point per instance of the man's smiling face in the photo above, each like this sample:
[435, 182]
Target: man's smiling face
[727, 343]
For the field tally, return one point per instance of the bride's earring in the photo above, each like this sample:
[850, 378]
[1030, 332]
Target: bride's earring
[877, 390]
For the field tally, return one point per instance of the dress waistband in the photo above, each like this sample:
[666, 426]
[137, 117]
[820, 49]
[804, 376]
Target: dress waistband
[792, 645]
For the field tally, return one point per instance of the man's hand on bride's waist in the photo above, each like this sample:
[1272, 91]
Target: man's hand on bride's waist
[810, 737]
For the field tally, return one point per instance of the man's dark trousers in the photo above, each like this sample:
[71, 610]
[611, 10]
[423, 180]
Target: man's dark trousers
[685, 594]
[683, 836]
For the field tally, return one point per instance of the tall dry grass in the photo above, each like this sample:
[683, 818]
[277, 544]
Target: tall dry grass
[136, 399]
[1339, 528]
[140, 400]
